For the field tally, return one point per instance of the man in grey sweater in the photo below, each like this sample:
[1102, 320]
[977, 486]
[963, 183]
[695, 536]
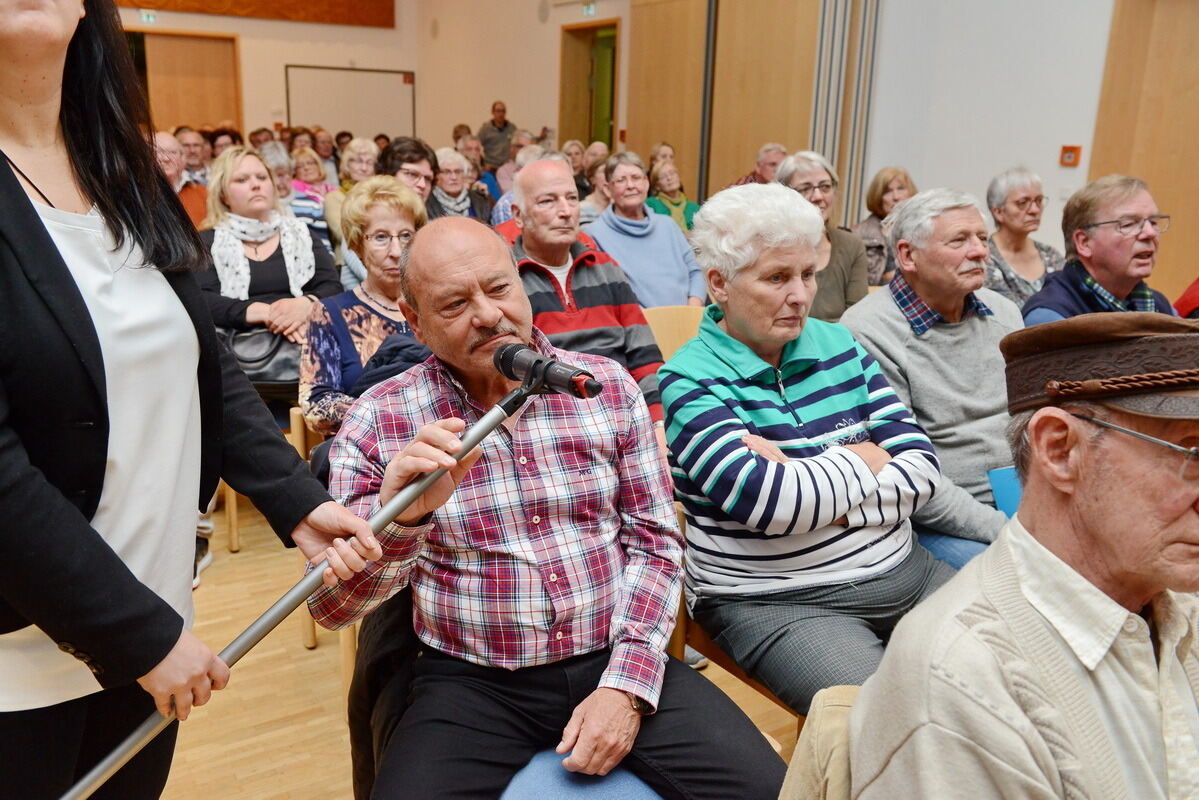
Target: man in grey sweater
[935, 333]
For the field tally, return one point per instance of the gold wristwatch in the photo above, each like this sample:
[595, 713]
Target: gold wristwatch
[640, 705]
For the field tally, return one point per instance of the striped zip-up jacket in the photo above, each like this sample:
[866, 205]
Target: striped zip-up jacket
[598, 314]
[755, 525]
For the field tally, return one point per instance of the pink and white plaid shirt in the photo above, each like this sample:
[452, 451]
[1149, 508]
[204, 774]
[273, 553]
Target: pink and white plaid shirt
[561, 540]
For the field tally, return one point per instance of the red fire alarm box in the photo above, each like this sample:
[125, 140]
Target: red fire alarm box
[1071, 155]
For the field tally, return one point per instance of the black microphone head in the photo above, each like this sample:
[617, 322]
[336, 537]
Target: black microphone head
[505, 360]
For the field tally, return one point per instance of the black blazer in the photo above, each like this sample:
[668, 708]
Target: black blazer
[56, 572]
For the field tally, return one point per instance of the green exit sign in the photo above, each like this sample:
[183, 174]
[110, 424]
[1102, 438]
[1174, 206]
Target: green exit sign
[149, 17]
[589, 9]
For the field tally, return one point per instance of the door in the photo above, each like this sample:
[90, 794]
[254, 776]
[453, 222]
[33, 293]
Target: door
[587, 81]
[190, 79]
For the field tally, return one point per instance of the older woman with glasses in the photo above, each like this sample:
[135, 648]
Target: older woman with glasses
[308, 193]
[841, 264]
[1018, 264]
[358, 161]
[453, 195]
[379, 218]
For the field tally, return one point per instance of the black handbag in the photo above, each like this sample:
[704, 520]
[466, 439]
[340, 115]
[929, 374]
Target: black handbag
[266, 358]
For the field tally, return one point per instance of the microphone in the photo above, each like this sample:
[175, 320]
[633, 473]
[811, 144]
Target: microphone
[516, 361]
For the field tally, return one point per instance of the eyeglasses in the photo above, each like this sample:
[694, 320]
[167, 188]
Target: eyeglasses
[1024, 202]
[458, 173]
[415, 175]
[1132, 226]
[806, 189]
[1190, 464]
[625, 180]
[382, 241]
[365, 161]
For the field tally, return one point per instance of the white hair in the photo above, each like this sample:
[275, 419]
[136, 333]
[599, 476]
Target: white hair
[804, 161]
[1007, 182]
[737, 224]
[538, 154]
[913, 219]
[447, 156]
[768, 148]
[274, 155]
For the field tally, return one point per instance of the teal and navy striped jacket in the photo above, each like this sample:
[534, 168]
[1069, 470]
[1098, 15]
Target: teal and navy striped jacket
[755, 525]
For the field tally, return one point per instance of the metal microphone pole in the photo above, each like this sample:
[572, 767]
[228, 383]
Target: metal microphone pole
[156, 723]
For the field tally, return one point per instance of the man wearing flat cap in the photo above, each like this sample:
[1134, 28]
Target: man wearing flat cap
[1064, 660]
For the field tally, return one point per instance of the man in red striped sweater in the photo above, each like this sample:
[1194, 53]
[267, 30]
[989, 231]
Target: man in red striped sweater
[581, 298]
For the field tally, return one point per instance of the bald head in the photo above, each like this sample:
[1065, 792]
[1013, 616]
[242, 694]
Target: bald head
[441, 244]
[530, 180]
[169, 153]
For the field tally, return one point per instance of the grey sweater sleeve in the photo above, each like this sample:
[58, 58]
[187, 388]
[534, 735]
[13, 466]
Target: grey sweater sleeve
[955, 512]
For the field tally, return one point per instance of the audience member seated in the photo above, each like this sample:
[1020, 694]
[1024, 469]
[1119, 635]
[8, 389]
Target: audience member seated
[574, 150]
[1019, 264]
[796, 463]
[770, 156]
[381, 141]
[1063, 662]
[594, 204]
[268, 271]
[278, 161]
[889, 187]
[413, 162]
[379, 218]
[1112, 230]
[668, 196]
[496, 135]
[323, 144]
[358, 160]
[580, 297]
[195, 168]
[662, 151]
[841, 264]
[342, 140]
[300, 137]
[309, 192]
[650, 248]
[472, 148]
[566, 526]
[597, 151]
[502, 212]
[260, 136]
[935, 333]
[1187, 304]
[223, 138]
[506, 172]
[452, 195]
[193, 196]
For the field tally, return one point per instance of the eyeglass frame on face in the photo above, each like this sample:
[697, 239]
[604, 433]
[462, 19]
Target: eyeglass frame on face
[378, 241]
[1024, 202]
[1191, 460]
[1159, 222]
[637, 177]
[806, 189]
[413, 175]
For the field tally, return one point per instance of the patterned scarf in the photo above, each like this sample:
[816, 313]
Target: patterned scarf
[458, 206]
[232, 266]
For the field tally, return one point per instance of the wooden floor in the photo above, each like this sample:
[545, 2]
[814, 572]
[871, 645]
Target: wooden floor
[278, 731]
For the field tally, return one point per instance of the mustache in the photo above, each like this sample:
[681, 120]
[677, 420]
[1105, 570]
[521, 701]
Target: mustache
[970, 266]
[490, 333]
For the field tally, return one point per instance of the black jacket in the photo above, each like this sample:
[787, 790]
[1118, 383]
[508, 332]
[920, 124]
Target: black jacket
[56, 572]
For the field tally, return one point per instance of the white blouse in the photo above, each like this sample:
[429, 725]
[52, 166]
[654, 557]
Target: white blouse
[147, 511]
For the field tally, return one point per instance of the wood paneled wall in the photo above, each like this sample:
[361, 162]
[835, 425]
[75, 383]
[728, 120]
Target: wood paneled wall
[193, 80]
[765, 67]
[666, 70]
[1148, 115]
[370, 13]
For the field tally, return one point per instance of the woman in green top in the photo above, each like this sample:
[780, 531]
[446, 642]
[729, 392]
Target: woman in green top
[667, 195]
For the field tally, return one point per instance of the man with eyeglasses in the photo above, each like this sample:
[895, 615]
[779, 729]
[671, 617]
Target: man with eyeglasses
[1112, 230]
[1063, 661]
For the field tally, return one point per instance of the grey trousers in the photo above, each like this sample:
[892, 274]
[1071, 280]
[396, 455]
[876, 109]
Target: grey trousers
[800, 641]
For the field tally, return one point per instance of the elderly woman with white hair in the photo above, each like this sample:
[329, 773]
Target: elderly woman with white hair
[452, 195]
[358, 161]
[1018, 264]
[796, 464]
[841, 263]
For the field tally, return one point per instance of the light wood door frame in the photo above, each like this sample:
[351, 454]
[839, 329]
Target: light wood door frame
[239, 117]
[575, 70]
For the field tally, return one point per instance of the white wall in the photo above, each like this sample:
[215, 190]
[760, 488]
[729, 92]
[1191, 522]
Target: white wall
[265, 46]
[964, 90]
[473, 52]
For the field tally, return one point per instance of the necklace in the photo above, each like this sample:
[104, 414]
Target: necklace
[368, 296]
[18, 170]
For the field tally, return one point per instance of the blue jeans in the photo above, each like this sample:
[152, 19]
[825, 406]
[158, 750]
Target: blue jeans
[953, 550]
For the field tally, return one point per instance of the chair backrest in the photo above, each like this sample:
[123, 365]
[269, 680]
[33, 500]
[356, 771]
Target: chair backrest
[672, 326]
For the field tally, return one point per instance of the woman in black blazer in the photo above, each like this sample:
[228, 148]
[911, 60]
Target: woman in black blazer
[85, 219]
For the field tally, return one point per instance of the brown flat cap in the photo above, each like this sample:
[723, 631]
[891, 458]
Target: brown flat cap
[1140, 362]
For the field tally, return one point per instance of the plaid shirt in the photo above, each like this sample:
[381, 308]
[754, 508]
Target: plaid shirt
[561, 540]
[918, 313]
[1139, 299]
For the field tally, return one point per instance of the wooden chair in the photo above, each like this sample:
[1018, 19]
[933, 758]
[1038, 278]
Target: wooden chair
[687, 632]
[229, 497]
[672, 326]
